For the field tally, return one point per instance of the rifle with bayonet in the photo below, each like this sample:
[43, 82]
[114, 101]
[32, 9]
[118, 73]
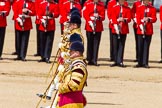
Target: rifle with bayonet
[119, 26]
[96, 18]
[45, 24]
[144, 25]
[23, 16]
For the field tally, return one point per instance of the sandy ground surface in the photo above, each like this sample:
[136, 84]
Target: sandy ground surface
[108, 87]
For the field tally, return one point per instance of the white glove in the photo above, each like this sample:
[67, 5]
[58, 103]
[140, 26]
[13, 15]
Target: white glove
[45, 17]
[116, 28]
[43, 21]
[120, 19]
[68, 36]
[141, 28]
[60, 45]
[92, 18]
[19, 21]
[65, 23]
[135, 20]
[61, 68]
[65, 55]
[56, 80]
[57, 86]
[68, 17]
[91, 24]
[51, 89]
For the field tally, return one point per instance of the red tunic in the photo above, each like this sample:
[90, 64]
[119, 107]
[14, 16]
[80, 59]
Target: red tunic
[110, 10]
[54, 9]
[18, 12]
[89, 11]
[5, 8]
[126, 14]
[151, 13]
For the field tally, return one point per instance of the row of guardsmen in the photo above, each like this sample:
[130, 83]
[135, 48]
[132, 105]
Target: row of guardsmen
[119, 14]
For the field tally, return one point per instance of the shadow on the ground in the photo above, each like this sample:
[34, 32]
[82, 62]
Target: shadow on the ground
[126, 60]
[98, 92]
[97, 103]
[126, 66]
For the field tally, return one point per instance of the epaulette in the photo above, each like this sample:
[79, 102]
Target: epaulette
[17, 0]
[140, 5]
[116, 5]
[89, 3]
[44, 1]
[66, 2]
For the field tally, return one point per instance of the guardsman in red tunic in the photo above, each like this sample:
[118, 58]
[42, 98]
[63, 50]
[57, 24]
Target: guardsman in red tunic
[65, 11]
[120, 18]
[23, 11]
[4, 12]
[37, 3]
[94, 14]
[110, 5]
[161, 31]
[146, 16]
[134, 14]
[48, 11]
